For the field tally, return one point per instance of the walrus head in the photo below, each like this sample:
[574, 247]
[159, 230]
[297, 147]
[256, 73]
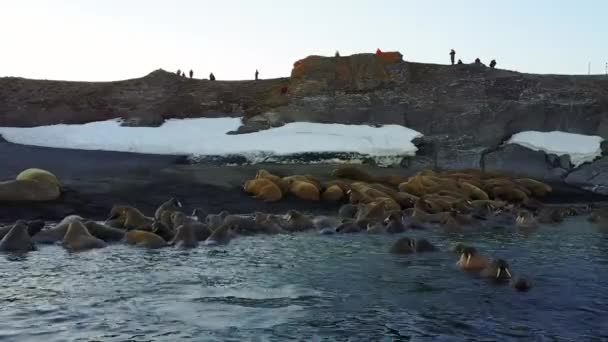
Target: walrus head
[459, 248]
[502, 270]
[468, 253]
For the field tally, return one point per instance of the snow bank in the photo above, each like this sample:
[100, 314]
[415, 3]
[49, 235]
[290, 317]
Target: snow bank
[207, 136]
[581, 148]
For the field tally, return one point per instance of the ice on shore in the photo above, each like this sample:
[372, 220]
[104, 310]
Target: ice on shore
[581, 148]
[207, 136]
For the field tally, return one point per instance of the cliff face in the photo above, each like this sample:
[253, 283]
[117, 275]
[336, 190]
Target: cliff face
[464, 111]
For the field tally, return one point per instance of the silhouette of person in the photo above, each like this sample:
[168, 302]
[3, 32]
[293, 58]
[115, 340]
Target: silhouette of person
[460, 61]
[337, 53]
[452, 55]
[378, 52]
[477, 61]
[179, 72]
[493, 64]
[191, 73]
[211, 77]
[183, 74]
[257, 73]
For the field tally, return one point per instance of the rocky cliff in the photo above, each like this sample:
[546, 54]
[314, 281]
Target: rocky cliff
[465, 111]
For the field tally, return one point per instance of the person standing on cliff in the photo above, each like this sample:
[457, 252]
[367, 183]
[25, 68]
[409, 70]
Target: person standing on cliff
[452, 56]
[179, 72]
[493, 64]
[257, 73]
[191, 73]
[211, 77]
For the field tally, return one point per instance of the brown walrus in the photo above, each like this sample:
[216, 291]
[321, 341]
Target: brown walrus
[56, 234]
[498, 271]
[17, 240]
[184, 237]
[77, 238]
[131, 218]
[144, 239]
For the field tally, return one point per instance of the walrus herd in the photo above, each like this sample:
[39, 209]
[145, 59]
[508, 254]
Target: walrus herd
[446, 202]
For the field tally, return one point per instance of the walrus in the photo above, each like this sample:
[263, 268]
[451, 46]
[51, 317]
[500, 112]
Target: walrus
[161, 229]
[343, 185]
[509, 194]
[303, 178]
[323, 222]
[184, 237]
[296, 221]
[473, 192]
[281, 183]
[550, 215]
[332, 194]
[521, 284]
[538, 189]
[394, 224]
[220, 236]
[33, 227]
[352, 172]
[356, 196]
[413, 186]
[17, 240]
[214, 221]
[377, 228]
[31, 185]
[525, 220]
[498, 271]
[263, 189]
[404, 245]
[240, 224]
[172, 204]
[266, 224]
[423, 246]
[347, 211]
[304, 190]
[200, 214]
[130, 217]
[201, 230]
[350, 226]
[471, 260]
[56, 234]
[103, 232]
[459, 248]
[77, 238]
[144, 239]
[372, 212]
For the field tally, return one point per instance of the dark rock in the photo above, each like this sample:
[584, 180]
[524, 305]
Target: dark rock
[143, 121]
[2, 140]
[553, 160]
[518, 160]
[604, 147]
[592, 176]
[564, 162]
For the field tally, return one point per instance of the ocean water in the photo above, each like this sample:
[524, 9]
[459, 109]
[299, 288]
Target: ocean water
[308, 287]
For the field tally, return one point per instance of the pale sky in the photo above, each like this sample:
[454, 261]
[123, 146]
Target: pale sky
[118, 39]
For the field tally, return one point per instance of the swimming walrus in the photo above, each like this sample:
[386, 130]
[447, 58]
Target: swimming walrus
[77, 238]
[103, 232]
[144, 239]
[200, 229]
[220, 236]
[56, 234]
[130, 218]
[17, 240]
[172, 204]
[184, 237]
[31, 185]
[33, 228]
[296, 221]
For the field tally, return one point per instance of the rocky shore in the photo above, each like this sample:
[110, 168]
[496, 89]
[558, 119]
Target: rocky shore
[465, 112]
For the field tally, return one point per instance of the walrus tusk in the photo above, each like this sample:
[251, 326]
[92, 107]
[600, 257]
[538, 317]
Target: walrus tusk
[508, 273]
[498, 273]
[179, 204]
[468, 259]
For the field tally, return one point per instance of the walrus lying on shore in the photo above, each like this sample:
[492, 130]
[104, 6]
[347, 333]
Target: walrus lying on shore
[31, 185]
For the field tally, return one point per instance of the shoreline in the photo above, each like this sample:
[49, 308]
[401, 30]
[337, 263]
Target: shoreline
[94, 181]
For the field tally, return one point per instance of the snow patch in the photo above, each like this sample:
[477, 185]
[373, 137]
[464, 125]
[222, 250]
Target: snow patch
[581, 148]
[207, 137]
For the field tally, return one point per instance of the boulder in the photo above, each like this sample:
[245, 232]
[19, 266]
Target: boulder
[592, 177]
